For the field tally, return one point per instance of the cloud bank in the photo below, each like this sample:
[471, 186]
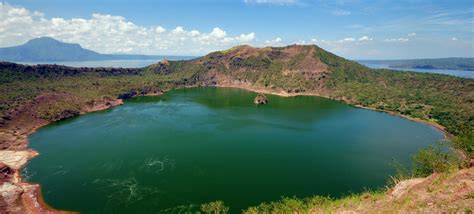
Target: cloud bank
[106, 33]
[113, 34]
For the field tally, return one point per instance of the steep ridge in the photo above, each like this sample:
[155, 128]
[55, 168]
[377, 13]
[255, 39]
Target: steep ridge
[293, 69]
[310, 70]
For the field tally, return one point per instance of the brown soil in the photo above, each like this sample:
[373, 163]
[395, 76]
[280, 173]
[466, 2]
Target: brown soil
[439, 193]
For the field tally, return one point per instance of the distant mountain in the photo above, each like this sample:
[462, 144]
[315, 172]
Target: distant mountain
[48, 49]
[441, 63]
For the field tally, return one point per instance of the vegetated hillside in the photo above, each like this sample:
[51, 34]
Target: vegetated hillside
[293, 69]
[47, 49]
[309, 69]
[441, 63]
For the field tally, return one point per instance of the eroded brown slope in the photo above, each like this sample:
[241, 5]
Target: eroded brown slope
[292, 69]
[439, 193]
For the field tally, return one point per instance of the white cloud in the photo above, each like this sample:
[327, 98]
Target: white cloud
[340, 12]
[246, 38]
[178, 30]
[218, 33]
[454, 39]
[301, 42]
[160, 29]
[275, 2]
[112, 34]
[194, 33]
[365, 38]
[274, 42]
[347, 40]
[411, 34]
[396, 40]
[350, 39]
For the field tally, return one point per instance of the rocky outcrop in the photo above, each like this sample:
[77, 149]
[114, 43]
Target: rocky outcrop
[10, 198]
[162, 67]
[260, 99]
[98, 105]
[127, 95]
[66, 114]
[17, 196]
[6, 173]
[51, 71]
[144, 91]
[10, 182]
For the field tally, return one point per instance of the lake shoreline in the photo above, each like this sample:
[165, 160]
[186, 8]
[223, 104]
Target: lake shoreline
[31, 198]
[28, 196]
[439, 127]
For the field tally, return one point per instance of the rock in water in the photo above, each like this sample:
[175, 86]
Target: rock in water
[260, 99]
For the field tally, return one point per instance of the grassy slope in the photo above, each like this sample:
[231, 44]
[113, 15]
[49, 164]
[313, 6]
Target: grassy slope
[18, 88]
[442, 99]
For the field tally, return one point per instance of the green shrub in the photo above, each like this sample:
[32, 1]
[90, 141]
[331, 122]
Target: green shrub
[434, 159]
[466, 143]
[214, 207]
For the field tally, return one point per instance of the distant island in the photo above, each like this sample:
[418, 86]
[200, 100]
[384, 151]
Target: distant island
[47, 49]
[466, 64]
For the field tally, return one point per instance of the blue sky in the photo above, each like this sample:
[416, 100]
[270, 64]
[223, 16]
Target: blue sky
[356, 29]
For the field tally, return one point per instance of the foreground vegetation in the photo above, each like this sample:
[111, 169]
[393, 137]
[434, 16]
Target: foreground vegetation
[435, 159]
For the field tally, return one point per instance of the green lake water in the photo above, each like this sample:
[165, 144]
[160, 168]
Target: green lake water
[191, 146]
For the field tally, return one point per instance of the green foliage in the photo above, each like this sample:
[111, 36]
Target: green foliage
[314, 204]
[401, 173]
[52, 110]
[466, 142]
[434, 159]
[214, 207]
